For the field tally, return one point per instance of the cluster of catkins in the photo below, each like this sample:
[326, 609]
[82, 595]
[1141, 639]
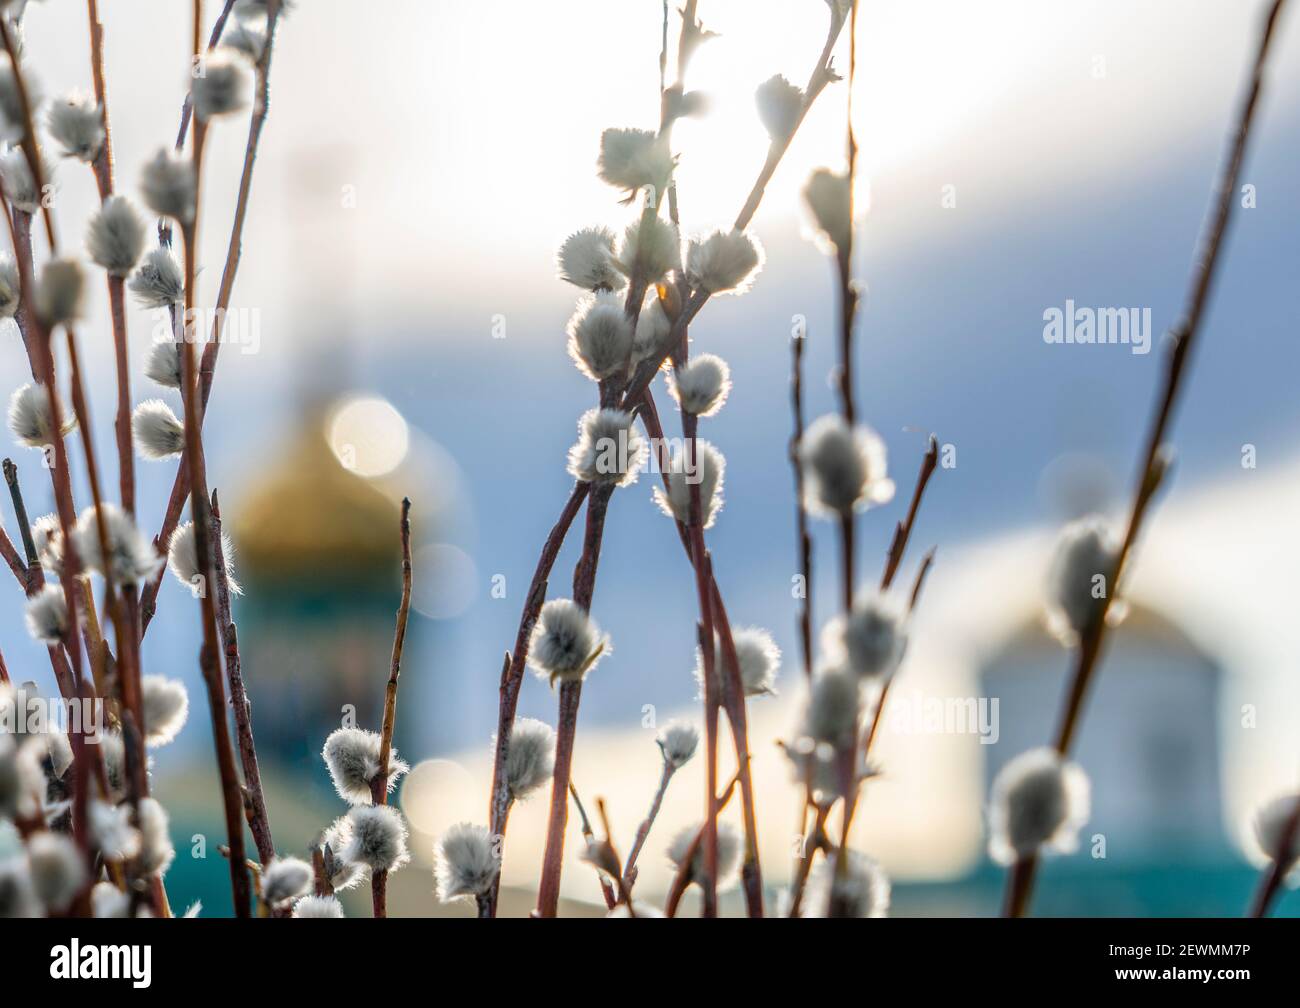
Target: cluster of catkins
[129, 845]
[370, 838]
[128, 848]
[115, 241]
[116, 236]
[1040, 800]
[608, 337]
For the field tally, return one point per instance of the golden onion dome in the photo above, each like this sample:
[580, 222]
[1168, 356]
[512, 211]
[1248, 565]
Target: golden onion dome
[310, 518]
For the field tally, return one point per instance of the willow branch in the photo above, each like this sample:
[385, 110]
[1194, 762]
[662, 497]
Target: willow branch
[1155, 459]
[379, 784]
[208, 364]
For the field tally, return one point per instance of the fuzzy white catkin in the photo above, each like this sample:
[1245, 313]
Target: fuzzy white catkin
[831, 713]
[163, 365]
[30, 417]
[166, 706]
[159, 283]
[318, 906]
[59, 750]
[183, 559]
[600, 336]
[651, 248]
[872, 640]
[844, 468]
[246, 37]
[108, 902]
[12, 127]
[130, 555]
[11, 288]
[22, 782]
[378, 838]
[60, 292]
[1038, 801]
[12, 118]
[111, 829]
[827, 197]
[19, 185]
[159, 434]
[632, 159]
[701, 385]
[46, 615]
[608, 450]
[1270, 824]
[337, 837]
[465, 862]
[168, 186]
[47, 537]
[653, 328]
[725, 261]
[1078, 580]
[58, 871]
[678, 741]
[863, 890]
[707, 470]
[17, 897]
[565, 643]
[285, 879]
[779, 106]
[530, 757]
[115, 237]
[728, 852]
[352, 757]
[757, 656]
[156, 849]
[820, 767]
[76, 123]
[113, 752]
[586, 260]
[222, 83]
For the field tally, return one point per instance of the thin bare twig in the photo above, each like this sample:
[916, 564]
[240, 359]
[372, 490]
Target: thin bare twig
[379, 784]
[512, 675]
[732, 698]
[643, 831]
[589, 838]
[801, 512]
[259, 821]
[584, 586]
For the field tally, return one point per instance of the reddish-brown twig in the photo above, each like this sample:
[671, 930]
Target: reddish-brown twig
[643, 831]
[584, 586]
[732, 699]
[259, 821]
[512, 675]
[379, 785]
[209, 659]
[800, 510]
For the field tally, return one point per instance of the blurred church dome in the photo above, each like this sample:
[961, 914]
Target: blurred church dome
[309, 518]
